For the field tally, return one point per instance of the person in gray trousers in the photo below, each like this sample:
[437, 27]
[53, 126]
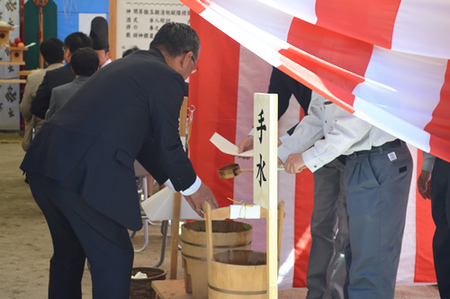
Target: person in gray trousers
[377, 174]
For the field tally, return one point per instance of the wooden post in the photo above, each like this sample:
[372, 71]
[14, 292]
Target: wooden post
[265, 178]
[177, 202]
[112, 34]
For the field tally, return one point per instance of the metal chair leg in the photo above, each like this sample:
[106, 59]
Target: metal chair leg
[164, 225]
[146, 223]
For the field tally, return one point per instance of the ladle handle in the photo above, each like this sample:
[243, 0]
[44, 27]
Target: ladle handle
[250, 170]
[244, 170]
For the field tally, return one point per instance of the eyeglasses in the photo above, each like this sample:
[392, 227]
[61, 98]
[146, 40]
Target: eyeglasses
[195, 69]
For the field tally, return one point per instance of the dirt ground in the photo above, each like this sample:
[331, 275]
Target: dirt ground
[26, 247]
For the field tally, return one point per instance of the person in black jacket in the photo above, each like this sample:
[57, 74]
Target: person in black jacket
[327, 275]
[433, 183]
[80, 166]
[60, 76]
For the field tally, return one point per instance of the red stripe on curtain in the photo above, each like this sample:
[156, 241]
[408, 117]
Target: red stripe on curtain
[304, 204]
[213, 92]
[331, 91]
[439, 126]
[347, 58]
[424, 269]
[197, 6]
[366, 20]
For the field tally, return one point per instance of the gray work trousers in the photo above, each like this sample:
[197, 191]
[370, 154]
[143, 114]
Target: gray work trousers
[377, 189]
[327, 271]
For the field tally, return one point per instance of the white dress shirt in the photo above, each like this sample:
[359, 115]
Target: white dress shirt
[427, 161]
[344, 134]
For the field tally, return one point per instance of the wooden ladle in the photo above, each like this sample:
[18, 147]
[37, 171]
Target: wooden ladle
[231, 170]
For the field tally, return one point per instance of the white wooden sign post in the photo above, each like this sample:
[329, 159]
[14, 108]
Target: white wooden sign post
[265, 179]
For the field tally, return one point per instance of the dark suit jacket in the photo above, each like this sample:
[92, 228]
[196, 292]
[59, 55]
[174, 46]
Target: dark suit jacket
[52, 79]
[61, 94]
[285, 87]
[124, 112]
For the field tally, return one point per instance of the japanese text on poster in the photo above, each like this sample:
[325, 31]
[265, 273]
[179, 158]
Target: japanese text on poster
[138, 21]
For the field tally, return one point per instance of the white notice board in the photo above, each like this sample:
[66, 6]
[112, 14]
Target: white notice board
[138, 21]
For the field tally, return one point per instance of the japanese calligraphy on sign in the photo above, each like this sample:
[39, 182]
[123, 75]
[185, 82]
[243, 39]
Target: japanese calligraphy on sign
[138, 21]
[262, 126]
[260, 176]
[265, 149]
[9, 92]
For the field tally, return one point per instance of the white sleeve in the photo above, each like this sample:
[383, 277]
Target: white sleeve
[308, 131]
[427, 161]
[189, 191]
[347, 130]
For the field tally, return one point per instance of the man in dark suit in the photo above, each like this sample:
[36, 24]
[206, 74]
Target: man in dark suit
[434, 183]
[80, 166]
[85, 63]
[60, 76]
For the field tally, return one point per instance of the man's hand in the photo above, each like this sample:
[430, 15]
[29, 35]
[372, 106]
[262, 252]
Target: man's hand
[198, 199]
[294, 163]
[424, 184]
[245, 145]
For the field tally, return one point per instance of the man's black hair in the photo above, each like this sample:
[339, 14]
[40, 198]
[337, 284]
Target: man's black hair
[77, 40]
[84, 62]
[176, 38]
[52, 50]
[129, 51]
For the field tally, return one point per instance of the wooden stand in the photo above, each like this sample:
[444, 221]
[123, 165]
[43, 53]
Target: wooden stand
[170, 289]
[237, 273]
[16, 58]
[16, 55]
[4, 35]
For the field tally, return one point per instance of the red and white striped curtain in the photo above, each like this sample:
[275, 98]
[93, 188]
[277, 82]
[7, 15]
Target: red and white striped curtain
[385, 60]
[398, 84]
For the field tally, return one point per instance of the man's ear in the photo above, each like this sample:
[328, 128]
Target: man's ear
[68, 55]
[187, 58]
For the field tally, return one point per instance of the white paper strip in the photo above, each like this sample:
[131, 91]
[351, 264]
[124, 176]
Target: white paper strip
[227, 147]
[244, 211]
[160, 206]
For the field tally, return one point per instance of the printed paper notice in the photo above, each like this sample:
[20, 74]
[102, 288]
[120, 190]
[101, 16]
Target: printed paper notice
[227, 147]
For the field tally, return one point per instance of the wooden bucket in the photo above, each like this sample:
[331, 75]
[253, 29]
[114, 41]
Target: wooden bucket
[227, 235]
[238, 274]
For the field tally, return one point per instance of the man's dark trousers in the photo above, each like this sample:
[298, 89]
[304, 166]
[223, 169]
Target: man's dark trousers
[440, 207]
[79, 232]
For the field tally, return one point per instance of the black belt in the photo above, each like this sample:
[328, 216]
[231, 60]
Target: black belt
[385, 146]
